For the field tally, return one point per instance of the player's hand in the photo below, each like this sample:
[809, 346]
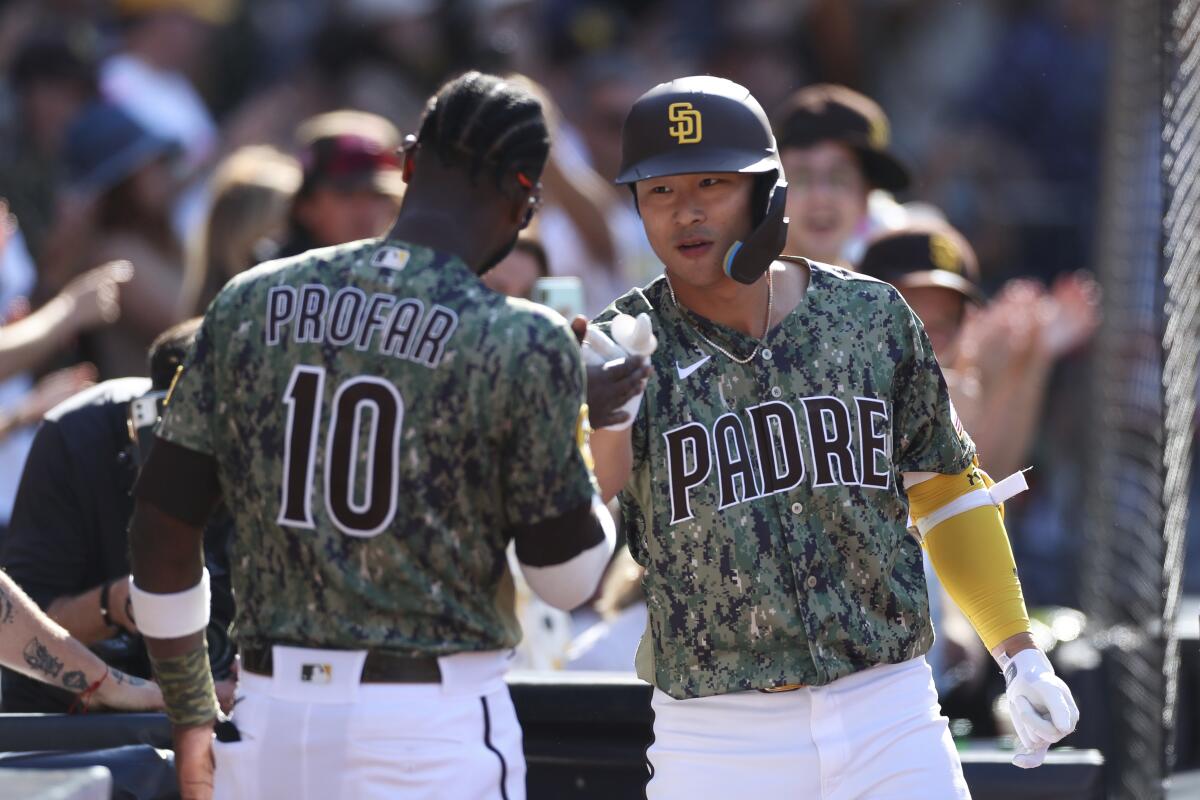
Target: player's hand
[194, 761]
[579, 325]
[614, 378]
[1042, 708]
[610, 386]
[226, 694]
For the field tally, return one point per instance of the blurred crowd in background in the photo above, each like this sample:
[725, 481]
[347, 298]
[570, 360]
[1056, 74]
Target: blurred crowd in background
[152, 149]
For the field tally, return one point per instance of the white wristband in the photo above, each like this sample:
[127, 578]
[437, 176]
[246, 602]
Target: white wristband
[169, 616]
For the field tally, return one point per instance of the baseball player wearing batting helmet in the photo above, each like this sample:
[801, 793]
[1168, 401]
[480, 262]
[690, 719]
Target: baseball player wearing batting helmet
[795, 417]
[381, 425]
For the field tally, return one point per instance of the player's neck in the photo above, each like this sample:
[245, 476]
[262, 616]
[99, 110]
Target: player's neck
[438, 230]
[735, 305]
[743, 307]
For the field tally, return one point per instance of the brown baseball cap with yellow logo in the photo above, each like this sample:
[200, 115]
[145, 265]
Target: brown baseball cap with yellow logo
[828, 112]
[933, 255]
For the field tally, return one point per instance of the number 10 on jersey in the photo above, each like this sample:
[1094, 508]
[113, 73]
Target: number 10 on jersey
[360, 489]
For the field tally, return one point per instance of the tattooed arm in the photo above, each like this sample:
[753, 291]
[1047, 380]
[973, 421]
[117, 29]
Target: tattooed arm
[33, 644]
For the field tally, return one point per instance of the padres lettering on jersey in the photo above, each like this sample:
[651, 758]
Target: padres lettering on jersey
[840, 453]
[764, 499]
[380, 419]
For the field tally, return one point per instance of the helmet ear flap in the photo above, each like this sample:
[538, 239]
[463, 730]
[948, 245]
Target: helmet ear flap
[746, 261]
[760, 198]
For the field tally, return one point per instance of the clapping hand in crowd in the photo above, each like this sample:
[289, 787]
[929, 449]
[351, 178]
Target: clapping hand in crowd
[1007, 351]
[1072, 312]
[1027, 322]
[95, 295]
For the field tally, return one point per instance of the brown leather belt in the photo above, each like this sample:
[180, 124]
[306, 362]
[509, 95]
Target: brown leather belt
[787, 687]
[380, 667]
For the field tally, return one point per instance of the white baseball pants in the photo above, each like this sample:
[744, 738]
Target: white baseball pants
[337, 739]
[876, 735]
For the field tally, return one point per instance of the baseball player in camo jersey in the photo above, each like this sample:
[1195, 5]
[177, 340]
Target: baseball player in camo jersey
[795, 418]
[381, 425]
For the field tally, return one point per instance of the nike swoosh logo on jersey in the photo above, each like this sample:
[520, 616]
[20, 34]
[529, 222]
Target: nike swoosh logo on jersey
[688, 370]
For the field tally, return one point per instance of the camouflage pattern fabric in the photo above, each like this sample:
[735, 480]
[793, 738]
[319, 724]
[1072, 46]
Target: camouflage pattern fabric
[186, 681]
[380, 419]
[765, 500]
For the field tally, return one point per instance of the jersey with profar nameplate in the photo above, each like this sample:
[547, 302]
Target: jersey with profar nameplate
[765, 500]
[380, 419]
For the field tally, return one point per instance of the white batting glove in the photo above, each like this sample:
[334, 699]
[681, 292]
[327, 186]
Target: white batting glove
[1042, 708]
[598, 348]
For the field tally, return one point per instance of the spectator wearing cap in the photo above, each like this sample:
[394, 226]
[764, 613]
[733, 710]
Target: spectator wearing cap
[834, 144]
[127, 172]
[352, 183]
[163, 42]
[936, 271]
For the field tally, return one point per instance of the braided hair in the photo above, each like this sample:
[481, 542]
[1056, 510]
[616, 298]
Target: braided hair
[486, 125]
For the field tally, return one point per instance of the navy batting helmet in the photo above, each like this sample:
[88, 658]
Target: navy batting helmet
[707, 124]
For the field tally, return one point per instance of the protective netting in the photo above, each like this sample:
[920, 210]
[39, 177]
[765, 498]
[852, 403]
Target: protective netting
[1145, 384]
[1181, 331]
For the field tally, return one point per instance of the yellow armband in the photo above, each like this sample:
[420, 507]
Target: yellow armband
[962, 529]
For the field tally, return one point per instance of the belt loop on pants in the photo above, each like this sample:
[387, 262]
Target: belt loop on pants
[380, 666]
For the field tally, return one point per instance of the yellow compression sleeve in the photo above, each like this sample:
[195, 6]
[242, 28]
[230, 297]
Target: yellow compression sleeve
[972, 557]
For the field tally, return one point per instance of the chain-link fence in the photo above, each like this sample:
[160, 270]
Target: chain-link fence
[1145, 388]
[1181, 328]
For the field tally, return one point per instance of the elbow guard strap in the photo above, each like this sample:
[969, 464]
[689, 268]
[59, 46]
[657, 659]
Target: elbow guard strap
[995, 495]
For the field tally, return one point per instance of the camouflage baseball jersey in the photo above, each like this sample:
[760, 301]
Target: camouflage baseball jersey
[379, 419]
[765, 500]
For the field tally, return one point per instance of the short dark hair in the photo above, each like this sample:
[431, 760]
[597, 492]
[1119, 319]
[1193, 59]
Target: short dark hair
[535, 250]
[480, 122]
[170, 350]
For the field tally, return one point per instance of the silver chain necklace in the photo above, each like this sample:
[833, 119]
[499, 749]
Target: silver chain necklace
[761, 341]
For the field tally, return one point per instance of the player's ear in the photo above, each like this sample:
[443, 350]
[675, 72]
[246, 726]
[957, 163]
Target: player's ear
[517, 185]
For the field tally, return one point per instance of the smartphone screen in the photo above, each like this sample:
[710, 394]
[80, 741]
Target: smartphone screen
[563, 294]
